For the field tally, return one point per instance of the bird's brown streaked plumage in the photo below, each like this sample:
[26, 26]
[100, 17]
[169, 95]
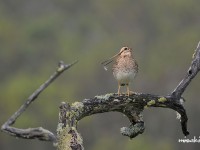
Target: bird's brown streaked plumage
[124, 68]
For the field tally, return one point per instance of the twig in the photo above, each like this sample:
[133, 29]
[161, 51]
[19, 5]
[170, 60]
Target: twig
[39, 133]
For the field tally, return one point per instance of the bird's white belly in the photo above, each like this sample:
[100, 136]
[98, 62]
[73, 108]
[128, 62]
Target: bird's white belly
[125, 77]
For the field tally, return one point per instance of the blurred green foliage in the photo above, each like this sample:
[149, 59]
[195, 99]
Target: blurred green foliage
[35, 35]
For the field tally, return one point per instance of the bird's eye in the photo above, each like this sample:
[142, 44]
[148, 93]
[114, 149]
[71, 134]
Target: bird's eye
[125, 48]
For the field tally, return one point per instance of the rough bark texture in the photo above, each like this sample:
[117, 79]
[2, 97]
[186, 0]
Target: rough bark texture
[131, 106]
[134, 105]
[68, 138]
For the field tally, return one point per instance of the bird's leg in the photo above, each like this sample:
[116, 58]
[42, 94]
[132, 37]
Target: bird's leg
[119, 86]
[128, 90]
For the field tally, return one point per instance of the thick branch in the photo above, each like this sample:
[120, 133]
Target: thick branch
[131, 106]
[68, 136]
[134, 105]
[39, 133]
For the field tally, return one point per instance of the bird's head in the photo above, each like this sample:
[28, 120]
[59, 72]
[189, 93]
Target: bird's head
[125, 51]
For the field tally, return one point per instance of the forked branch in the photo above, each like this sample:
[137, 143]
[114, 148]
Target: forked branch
[34, 133]
[131, 106]
[68, 138]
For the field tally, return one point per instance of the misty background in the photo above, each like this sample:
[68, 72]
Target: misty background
[35, 35]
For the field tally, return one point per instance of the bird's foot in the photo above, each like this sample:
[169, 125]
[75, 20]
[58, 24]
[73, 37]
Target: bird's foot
[119, 94]
[131, 93]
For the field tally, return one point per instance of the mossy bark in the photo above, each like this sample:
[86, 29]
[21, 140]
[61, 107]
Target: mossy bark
[132, 107]
[67, 134]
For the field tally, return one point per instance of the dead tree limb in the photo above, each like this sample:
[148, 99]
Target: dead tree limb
[191, 73]
[34, 133]
[131, 106]
[68, 137]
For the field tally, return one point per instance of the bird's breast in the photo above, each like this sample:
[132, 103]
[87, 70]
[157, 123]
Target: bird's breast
[125, 69]
[124, 76]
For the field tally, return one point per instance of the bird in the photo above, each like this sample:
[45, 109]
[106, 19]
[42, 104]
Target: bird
[125, 68]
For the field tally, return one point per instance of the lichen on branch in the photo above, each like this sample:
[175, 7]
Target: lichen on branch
[68, 137]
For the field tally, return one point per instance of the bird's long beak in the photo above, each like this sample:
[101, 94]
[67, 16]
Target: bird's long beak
[108, 61]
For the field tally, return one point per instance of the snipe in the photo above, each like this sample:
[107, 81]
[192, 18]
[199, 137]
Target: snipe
[124, 68]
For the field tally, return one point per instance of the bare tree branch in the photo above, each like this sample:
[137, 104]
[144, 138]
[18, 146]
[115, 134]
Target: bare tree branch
[131, 106]
[191, 73]
[68, 137]
[31, 133]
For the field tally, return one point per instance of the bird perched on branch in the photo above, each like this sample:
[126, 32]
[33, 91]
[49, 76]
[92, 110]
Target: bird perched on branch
[124, 68]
